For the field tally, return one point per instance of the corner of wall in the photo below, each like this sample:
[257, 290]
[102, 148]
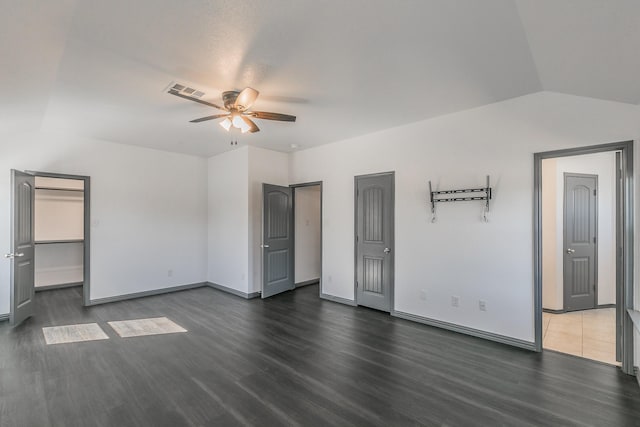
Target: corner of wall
[227, 219]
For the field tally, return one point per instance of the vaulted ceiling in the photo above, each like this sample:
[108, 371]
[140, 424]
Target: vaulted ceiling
[100, 69]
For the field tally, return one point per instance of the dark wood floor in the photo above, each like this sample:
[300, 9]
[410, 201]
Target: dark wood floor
[290, 360]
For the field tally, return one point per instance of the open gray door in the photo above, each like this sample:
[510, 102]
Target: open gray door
[21, 256]
[580, 216]
[277, 240]
[374, 241]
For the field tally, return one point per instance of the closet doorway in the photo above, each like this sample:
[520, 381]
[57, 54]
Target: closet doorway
[307, 214]
[61, 232]
[291, 237]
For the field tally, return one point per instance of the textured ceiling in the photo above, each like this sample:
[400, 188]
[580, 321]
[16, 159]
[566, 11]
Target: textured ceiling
[100, 69]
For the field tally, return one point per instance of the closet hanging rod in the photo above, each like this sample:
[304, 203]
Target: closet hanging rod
[53, 242]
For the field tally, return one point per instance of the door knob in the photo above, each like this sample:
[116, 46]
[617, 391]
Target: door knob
[387, 250]
[570, 251]
[264, 246]
[13, 255]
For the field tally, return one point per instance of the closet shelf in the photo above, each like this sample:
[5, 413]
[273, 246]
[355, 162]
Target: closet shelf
[79, 190]
[49, 242]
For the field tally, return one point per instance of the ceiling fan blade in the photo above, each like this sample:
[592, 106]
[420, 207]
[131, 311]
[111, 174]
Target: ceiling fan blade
[253, 128]
[246, 98]
[200, 101]
[273, 116]
[204, 119]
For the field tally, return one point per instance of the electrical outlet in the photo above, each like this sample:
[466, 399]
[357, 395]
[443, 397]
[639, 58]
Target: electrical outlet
[455, 301]
[482, 305]
[423, 295]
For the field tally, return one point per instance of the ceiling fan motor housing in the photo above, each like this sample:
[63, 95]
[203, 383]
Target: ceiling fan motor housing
[229, 98]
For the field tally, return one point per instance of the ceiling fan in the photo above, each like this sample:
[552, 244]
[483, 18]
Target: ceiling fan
[236, 105]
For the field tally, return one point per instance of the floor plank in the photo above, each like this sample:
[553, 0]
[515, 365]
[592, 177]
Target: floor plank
[290, 360]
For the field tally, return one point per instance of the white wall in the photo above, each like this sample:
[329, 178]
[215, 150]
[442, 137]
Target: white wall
[459, 255]
[307, 231]
[228, 219]
[148, 210]
[270, 167]
[603, 165]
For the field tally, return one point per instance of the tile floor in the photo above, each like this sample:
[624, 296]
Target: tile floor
[589, 333]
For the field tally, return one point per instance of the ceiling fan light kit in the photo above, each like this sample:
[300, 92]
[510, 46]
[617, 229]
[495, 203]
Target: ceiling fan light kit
[237, 105]
[226, 124]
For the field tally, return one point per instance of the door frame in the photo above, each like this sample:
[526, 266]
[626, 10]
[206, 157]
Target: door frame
[624, 240]
[564, 234]
[392, 287]
[86, 261]
[293, 195]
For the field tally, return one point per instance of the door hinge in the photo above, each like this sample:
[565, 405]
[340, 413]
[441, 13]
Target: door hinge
[357, 238]
[594, 240]
[594, 191]
[357, 284]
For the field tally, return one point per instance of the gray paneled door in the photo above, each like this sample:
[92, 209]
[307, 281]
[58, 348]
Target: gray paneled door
[277, 240]
[374, 240]
[580, 251]
[22, 247]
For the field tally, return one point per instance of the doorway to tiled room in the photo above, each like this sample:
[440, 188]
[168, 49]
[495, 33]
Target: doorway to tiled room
[587, 333]
[579, 256]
